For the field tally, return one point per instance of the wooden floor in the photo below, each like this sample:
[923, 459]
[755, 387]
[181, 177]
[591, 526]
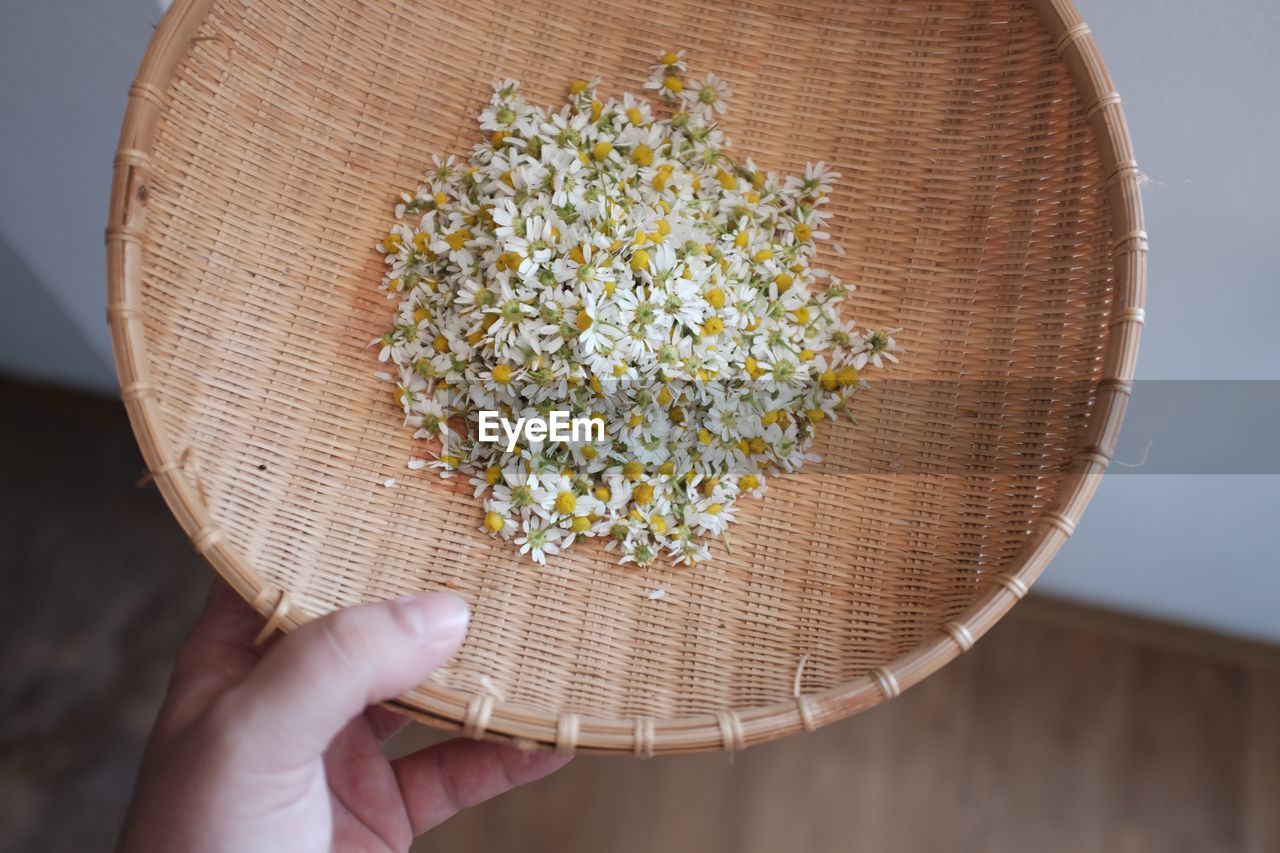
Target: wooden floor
[1065, 729]
[1062, 730]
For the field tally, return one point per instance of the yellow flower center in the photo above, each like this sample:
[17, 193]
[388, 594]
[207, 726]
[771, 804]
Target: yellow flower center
[458, 238]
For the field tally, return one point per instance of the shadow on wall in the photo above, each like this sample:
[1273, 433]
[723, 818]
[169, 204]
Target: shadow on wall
[38, 341]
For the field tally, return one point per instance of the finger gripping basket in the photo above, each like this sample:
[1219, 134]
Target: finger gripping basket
[989, 208]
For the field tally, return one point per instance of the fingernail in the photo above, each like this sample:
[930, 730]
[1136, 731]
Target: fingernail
[439, 617]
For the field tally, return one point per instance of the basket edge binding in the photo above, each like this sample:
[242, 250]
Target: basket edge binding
[480, 715]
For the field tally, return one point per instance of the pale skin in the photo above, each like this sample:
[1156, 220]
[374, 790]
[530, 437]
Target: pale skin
[282, 749]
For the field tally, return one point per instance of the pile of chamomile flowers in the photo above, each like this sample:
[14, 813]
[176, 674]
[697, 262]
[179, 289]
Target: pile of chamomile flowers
[621, 266]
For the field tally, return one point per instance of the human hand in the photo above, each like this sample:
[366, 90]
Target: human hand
[281, 750]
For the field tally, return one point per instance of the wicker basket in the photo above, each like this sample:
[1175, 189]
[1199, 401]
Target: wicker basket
[990, 208]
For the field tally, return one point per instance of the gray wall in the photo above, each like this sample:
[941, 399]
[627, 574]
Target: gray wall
[65, 67]
[1198, 82]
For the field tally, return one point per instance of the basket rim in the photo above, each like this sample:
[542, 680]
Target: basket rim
[480, 715]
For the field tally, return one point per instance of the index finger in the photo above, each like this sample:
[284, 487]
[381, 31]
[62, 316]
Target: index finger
[217, 654]
[442, 780]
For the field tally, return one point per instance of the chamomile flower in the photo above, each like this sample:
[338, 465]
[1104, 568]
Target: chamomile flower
[638, 113]
[498, 523]
[708, 97]
[538, 539]
[666, 80]
[672, 60]
[877, 348]
[817, 180]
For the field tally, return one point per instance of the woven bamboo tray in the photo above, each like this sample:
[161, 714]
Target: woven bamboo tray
[990, 208]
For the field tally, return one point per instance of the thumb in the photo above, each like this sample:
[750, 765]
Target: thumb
[315, 680]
